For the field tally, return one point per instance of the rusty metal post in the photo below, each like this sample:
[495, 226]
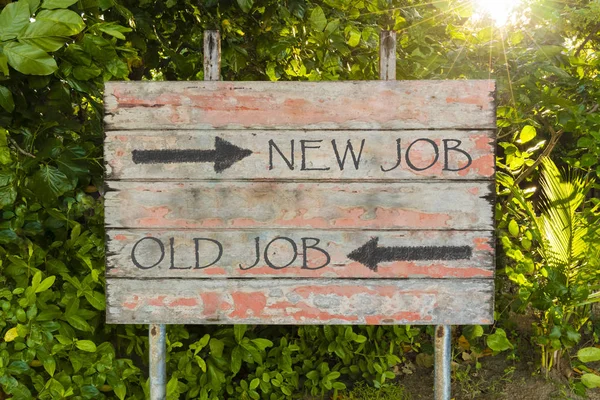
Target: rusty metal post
[158, 365]
[442, 362]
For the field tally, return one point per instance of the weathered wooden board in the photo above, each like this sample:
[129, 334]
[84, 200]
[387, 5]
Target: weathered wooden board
[467, 104]
[407, 205]
[297, 301]
[291, 253]
[382, 155]
[300, 202]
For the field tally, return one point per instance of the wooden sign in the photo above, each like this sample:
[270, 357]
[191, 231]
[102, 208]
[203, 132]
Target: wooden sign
[300, 202]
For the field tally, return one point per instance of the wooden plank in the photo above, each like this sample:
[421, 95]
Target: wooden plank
[467, 104]
[383, 155]
[325, 205]
[212, 55]
[387, 55]
[293, 301]
[291, 253]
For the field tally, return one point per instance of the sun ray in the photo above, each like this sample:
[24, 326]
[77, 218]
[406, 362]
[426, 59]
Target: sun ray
[455, 60]
[512, 95]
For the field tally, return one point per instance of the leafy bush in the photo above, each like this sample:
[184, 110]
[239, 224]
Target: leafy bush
[557, 277]
[55, 56]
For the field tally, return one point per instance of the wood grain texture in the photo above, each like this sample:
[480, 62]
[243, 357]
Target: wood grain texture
[407, 205]
[293, 301]
[212, 55]
[387, 55]
[378, 158]
[182, 256]
[467, 104]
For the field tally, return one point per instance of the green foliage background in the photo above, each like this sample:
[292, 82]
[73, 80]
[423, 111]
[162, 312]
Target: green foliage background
[55, 56]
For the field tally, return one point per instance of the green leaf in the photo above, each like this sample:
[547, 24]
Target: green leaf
[66, 22]
[317, 19]
[46, 35]
[4, 65]
[17, 367]
[28, 59]
[114, 30]
[498, 341]
[13, 18]
[33, 5]
[78, 323]
[201, 363]
[262, 344]
[52, 4]
[86, 345]
[513, 228]
[238, 332]
[472, 331]
[590, 380]
[37, 278]
[172, 391]
[588, 159]
[49, 365]
[120, 390]
[89, 391]
[339, 385]
[353, 37]
[245, 5]
[589, 354]
[527, 133]
[8, 195]
[96, 299]
[5, 158]
[46, 283]
[6, 99]
[236, 359]
[216, 347]
[50, 182]
[83, 73]
[20, 392]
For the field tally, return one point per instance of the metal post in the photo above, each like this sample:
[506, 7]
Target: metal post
[158, 364]
[442, 362]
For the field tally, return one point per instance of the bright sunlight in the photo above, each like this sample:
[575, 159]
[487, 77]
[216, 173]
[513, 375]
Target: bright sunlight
[498, 10]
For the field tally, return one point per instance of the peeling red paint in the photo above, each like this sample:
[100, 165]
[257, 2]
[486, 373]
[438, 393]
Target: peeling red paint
[483, 164]
[248, 304]
[184, 302]
[390, 218]
[211, 302]
[302, 311]
[130, 305]
[215, 271]
[483, 244]
[157, 301]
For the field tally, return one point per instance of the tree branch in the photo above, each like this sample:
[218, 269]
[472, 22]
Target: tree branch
[589, 37]
[12, 141]
[551, 144]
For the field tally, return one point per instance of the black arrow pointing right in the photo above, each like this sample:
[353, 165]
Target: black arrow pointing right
[224, 155]
[370, 255]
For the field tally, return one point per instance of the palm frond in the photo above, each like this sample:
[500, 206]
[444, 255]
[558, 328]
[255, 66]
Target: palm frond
[561, 227]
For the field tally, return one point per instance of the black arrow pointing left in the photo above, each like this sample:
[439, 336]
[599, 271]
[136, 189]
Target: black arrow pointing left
[224, 155]
[370, 255]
